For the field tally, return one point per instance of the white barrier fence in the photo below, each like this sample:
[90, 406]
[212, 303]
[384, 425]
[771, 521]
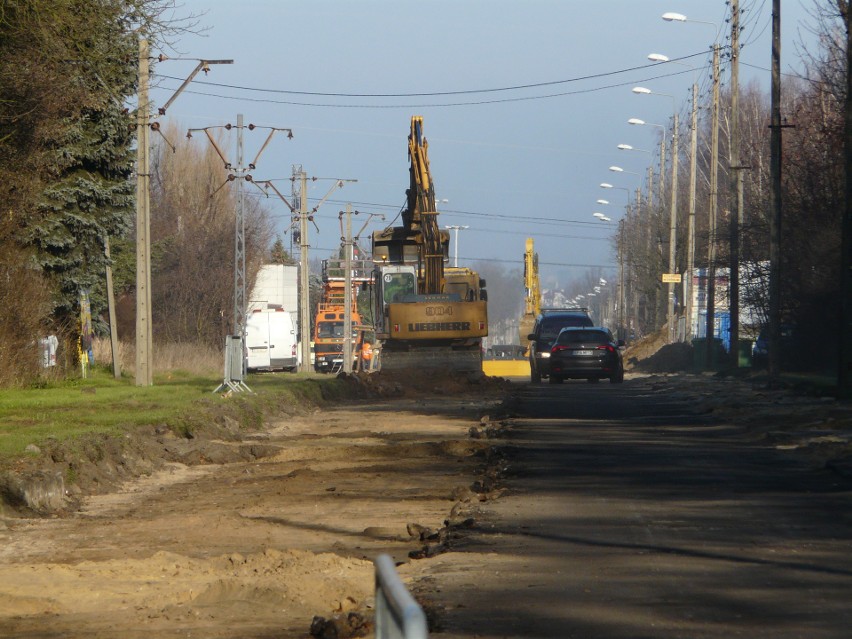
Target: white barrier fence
[398, 616]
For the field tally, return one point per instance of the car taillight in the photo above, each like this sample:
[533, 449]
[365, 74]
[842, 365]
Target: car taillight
[606, 347]
[558, 348]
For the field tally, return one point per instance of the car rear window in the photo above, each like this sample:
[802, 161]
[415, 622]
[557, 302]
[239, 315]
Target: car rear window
[550, 326]
[584, 337]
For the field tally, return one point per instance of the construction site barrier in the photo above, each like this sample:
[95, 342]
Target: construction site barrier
[398, 616]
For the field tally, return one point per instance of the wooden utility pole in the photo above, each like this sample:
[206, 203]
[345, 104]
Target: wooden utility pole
[714, 199]
[775, 201]
[844, 378]
[113, 324]
[736, 179]
[144, 372]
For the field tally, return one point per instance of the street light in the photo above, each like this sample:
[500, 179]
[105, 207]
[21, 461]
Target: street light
[603, 201]
[456, 228]
[679, 17]
[618, 169]
[627, 147]
[638, 122]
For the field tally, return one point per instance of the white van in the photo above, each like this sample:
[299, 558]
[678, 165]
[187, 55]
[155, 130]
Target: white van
[270, 340]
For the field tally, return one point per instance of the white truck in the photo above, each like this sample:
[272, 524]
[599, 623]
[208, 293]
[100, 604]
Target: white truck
[272, 318]
[270, 340]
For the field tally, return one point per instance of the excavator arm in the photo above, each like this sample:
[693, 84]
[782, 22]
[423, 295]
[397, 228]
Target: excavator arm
[421, 213]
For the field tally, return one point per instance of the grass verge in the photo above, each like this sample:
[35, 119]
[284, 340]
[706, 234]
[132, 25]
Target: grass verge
[183, 402]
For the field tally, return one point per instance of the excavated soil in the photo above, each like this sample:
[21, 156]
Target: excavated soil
[276, 528]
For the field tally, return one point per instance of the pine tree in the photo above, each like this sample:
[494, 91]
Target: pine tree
[280, 255]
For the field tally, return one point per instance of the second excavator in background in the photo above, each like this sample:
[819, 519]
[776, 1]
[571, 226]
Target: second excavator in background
[426, 315]
[532, 294]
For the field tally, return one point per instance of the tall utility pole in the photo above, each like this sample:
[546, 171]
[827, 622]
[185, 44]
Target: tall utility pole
[672, 321]
[144, 328]
[144, 372]
[304, 285]
[347, 299]
[240, 240]
[775, 200]
[736, 178]
[844, 377]
[235, 340]
[690, 249]
[714, 199]
[621, 332]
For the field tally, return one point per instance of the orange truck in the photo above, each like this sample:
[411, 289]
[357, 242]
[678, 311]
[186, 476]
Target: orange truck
[329, 324]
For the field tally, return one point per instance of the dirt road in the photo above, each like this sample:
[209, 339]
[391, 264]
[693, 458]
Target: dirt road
[248, 549]
[665, 507]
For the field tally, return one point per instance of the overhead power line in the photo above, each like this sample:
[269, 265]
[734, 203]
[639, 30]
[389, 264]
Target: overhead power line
[439, 94]
[500, 216]
[518, 261]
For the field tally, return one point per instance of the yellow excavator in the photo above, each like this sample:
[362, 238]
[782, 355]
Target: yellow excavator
[426, 315]
[532, 294]
[513, 361]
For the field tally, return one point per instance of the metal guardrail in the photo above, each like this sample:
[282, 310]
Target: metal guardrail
[398, 616]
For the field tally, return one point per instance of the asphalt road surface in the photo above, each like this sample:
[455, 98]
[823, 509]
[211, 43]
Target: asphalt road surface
[628, 514]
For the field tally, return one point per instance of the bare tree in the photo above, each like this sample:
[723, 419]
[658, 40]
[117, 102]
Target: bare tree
[193, 229]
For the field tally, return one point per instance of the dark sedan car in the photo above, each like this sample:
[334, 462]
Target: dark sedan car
[586, 353]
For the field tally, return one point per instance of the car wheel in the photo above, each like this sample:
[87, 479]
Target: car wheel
[618, 378]
[555, 379]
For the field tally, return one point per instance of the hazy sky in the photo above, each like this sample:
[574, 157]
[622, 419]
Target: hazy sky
[511, 162]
